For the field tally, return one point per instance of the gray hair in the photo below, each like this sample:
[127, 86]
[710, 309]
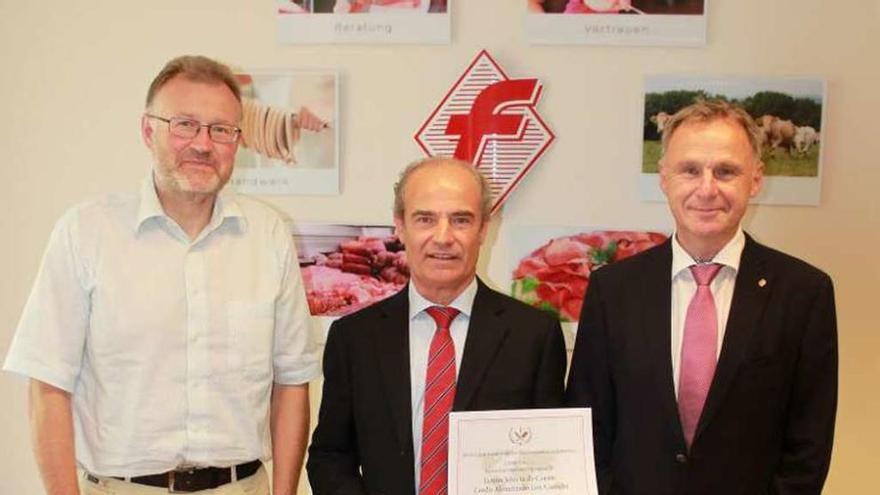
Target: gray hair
[194, 68]
[400, 186]
[706, 111]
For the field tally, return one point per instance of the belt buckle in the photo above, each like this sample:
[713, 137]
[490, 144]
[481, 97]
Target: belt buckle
[172, 478]
[171, 482]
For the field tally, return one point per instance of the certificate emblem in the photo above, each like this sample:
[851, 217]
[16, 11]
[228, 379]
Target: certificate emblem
[520, 435]
[491, 121]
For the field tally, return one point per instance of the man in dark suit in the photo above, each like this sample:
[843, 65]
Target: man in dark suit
[710, 361]
[392, 371]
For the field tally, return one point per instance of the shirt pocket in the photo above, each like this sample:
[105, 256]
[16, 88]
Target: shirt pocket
[251, 330]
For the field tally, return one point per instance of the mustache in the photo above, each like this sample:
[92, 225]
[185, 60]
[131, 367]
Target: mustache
[206, 157]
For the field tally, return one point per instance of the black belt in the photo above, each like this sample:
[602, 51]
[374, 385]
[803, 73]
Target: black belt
[195, 479]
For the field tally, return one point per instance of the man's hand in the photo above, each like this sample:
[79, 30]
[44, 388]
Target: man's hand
[306, 119]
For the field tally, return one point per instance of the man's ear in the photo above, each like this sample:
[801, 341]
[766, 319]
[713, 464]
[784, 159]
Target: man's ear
[661, 170]
[758, 179]
[398, 227]
[147, 131]
[484, 227]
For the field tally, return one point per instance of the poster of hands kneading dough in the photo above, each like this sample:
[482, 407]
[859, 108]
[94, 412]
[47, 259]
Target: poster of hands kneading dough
[290, 136]
[363, 21]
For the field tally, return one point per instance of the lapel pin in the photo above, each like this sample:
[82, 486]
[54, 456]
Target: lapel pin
[762, 282]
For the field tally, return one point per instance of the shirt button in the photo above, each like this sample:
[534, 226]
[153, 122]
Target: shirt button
[681, 459]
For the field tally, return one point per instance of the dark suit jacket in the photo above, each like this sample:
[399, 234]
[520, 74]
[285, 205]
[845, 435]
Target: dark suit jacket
[514, 357]
[768, 421]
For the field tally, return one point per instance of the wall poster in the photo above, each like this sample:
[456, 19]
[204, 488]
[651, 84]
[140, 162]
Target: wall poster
[789, 112]
[550, 266]
[290, 133]
[616, 22]
[348, 267]
[363, 21]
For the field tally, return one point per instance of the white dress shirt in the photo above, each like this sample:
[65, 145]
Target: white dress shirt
[168, 346]
[684, 287]
[421, 331]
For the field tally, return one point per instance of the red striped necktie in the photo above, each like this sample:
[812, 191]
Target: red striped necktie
[439, 395]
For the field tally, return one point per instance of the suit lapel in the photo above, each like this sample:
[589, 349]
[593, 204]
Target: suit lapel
[749, 299]
[486, 332]
[391, 348]
[657, 297]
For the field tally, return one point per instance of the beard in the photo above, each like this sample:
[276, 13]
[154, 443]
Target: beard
[192, 171]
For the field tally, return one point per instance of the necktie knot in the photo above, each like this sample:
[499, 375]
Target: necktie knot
[705, 273]
[442, 315]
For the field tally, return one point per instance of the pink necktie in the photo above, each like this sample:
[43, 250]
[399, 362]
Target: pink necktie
[439, 395]
[698, 350]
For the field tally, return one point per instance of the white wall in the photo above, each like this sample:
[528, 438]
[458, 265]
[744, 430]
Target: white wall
[75, 73]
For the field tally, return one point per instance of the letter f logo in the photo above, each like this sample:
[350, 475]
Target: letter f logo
[485, 119]
[490, 121]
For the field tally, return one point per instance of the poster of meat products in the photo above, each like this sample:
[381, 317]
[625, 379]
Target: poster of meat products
[616, 22]
[348, 267]
[551, 266]
[363, 21]
[789, 113]
[290, 133]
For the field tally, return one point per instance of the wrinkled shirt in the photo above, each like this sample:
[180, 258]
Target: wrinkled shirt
[169, 346]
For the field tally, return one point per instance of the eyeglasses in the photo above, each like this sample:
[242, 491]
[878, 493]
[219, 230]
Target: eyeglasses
[189, 129]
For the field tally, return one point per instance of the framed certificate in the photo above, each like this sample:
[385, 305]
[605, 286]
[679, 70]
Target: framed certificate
[535, 451]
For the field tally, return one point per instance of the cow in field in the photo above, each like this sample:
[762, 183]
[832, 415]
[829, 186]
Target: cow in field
[660, 120]
[804, 138]
[776, 133]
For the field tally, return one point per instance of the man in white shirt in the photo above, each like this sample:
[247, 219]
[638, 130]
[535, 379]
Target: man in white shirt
[710, 361]
[394, 370]
[166, 333]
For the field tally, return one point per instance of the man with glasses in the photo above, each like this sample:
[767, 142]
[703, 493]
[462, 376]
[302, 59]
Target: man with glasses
[166, 333]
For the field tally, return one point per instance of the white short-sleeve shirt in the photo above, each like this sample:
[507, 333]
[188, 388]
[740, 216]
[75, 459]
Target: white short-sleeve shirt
[168, 346]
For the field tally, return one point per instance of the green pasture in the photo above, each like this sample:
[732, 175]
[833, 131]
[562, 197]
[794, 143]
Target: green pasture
[778, 163]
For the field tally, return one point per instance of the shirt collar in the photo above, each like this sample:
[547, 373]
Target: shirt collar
[464, 303]
[225, 206]
[728, 256]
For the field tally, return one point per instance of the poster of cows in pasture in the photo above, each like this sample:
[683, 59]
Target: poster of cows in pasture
[788, 111]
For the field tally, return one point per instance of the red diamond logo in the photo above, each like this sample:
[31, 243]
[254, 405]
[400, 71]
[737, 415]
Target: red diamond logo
[489, 120]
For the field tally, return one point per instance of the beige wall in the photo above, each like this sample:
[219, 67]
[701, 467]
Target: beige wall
[74, 75]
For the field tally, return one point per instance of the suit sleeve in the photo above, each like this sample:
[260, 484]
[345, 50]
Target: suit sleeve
[589, 379]
[550, 380]
[809, 430]
[334, 463]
